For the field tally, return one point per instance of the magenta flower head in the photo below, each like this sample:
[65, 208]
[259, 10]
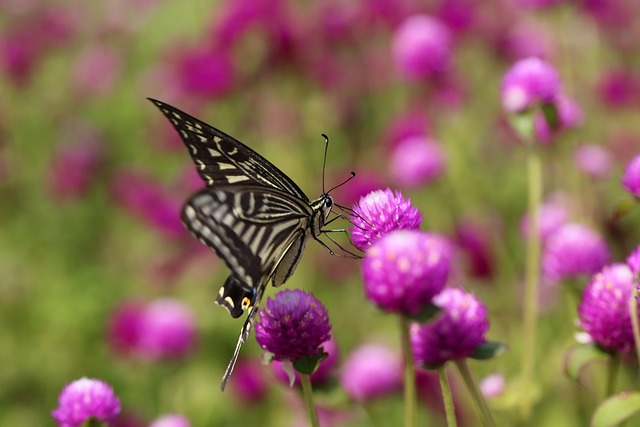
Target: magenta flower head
[405, 269]
[631, 177]
[171, 420]
[292, 325]
[167, 330]
[574, 250]
[604, 309]
[422, 47]
[417, 161]
[249, 383]
[529, 82]
[594, 161]
[455, 334]
[619, 88]
[380, 212]
[76, 167]
[633, 261]
[86, 399]
[205, 72]
[371, 371]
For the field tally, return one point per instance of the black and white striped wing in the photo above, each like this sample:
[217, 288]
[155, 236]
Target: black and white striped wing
[222, 160]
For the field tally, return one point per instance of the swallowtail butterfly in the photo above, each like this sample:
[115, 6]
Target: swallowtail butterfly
[250, 213]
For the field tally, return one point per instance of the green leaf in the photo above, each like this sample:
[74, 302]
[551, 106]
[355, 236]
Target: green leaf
[616, 409]
[308, 364]
[429, 312]
[550, 112]
[522, 124]
[624, 207]
[489, 350]
[579, 356]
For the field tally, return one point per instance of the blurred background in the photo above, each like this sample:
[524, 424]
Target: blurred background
[98, 277]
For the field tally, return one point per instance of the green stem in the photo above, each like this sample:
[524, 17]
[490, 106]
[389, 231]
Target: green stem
[478, 398]
[612, 374]
[530, 309]
[308, 399]
[449, 410]
[633, 311]
[410, 403]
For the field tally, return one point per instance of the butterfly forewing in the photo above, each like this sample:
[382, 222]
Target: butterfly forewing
[221, 159]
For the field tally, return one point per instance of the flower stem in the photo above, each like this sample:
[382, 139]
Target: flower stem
[633, 312]
[530, 309]
[478, 398]
[308, 399]
[449, 410]
[612, 374]
[409, 376]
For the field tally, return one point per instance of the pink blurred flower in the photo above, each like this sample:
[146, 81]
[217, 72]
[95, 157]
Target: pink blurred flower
[458, 15]
[421, 47]
[594, 160]
[248, 381]
[96, 70]
[631, 177]
[75, 167]
[123, 330]
[19, 53]
[529, 82]
[371, 371]
[146, 199]
[524, 40]
[553, 214]
[167, 330]
[364, 183]
[417, 161]
[619, 88]
[205, 72]
[171, 420]
[492, 386]
[569, 116]
[475, 242]
[411, 123]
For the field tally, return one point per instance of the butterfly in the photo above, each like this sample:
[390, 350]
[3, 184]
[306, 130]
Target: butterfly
[250, 213]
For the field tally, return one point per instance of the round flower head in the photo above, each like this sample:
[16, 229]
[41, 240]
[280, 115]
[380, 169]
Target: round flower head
[633, 261]
[529, 81]
[405, 269]
[631, 177]
[380, 212]
[167, 330]
[456, 332]
[553, 215]
[574, 250]
[292, 325]
[84, 399]
[618, 88]
[417, 160]
[604, 309]
[171, 420]
[593, 160]
[249, 382]
[422, 47]
[492, 386]
[372, 370]
[205, 72]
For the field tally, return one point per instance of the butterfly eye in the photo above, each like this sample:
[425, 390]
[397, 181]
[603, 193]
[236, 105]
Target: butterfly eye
[328, 202]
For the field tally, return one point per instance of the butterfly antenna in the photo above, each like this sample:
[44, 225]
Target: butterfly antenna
[353, 175]
[324, 163]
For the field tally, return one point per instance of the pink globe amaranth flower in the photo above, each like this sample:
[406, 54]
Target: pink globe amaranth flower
[421, 47]
[492, 386]
[619, 88]
[553, 214]
[524, 40]
[604, 309]
[205, 72]
[631, 177]
[19, 55]
[84, 399]
[123, 329]
[96, 70]
[594, 161]
[146, 199]
[249, 382]
[411, 123]
[417, 161]
[474, 241]
[633, 261]
[321, 375]
[458, 15]
[573, 250]
[569, 116]
[455, 334]
[75, 168]
[379, 213]
[529, 82]
[371, 371]
[405, 269]
[292, 325]
[171, 420]
[167, 330]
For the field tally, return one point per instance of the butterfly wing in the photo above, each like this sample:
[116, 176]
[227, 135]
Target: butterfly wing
[222, 160]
